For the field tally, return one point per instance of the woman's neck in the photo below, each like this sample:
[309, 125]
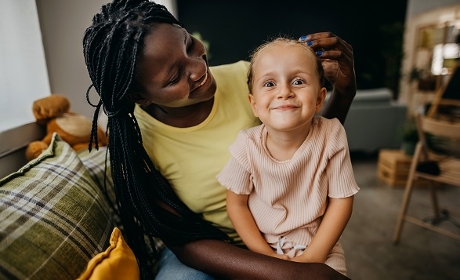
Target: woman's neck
[181, 117]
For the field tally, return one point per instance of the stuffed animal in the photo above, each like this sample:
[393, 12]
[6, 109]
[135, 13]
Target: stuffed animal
[75, 129]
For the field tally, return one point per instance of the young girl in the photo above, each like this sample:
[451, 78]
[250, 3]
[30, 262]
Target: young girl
[290, 180]
[169, 120]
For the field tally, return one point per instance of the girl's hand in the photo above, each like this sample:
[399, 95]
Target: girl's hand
[279, 256]
[305, 258]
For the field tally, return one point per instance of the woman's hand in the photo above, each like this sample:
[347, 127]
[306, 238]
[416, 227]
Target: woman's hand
[337, 59]
[338, 64]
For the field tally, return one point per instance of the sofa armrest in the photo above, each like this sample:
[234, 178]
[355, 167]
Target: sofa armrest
[374, 121]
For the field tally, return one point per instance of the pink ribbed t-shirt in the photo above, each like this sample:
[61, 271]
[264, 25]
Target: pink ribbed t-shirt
[288, 198]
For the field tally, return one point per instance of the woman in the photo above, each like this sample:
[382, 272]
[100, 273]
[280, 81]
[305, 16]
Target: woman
[171, 119]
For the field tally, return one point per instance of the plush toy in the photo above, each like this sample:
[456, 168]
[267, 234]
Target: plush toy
[75, 129]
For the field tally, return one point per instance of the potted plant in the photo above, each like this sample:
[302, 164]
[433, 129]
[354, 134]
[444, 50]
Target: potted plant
[425, 81]
[409, 138]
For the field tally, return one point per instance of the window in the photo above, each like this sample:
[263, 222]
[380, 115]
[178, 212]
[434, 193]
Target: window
[444, 58]
[23, 73]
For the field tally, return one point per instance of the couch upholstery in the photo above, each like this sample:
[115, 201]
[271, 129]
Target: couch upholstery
[53, 217]
[374, 121]
[57, 214]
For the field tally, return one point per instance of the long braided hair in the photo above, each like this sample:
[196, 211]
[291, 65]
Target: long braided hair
[112, 45]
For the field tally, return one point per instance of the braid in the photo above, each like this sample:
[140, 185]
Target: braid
[112, 46]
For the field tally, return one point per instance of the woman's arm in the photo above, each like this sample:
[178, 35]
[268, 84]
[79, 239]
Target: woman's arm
[338, 63]
[243, 221]
[226, 261]
[335, 219]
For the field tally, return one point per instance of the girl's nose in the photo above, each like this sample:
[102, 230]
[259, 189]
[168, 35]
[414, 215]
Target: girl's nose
[285, 91]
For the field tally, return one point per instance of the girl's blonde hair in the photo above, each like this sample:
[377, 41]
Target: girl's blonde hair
[287, 41]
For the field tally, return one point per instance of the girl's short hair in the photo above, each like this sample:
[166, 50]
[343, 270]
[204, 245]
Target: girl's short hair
[287, 41]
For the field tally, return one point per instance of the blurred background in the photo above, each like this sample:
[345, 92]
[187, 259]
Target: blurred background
[394, 41]
[234, 28]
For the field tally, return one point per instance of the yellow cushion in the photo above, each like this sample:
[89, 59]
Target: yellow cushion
[117, 262]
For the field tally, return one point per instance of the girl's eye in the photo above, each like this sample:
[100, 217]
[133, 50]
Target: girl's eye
[297, 82]
[269, 84]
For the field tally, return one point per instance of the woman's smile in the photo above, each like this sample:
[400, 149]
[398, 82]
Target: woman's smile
[203, 82]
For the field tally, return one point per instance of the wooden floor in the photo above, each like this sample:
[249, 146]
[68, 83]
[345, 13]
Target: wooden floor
[367, 240]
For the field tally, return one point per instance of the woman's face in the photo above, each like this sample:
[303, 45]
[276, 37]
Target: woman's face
[173, 69]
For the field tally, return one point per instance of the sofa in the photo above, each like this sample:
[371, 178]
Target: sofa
[58, 219]
[374, 121]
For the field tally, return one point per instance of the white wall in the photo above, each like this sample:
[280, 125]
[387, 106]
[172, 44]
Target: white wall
[63, 23]
[23, 75]
[29, 31]
[169, 4]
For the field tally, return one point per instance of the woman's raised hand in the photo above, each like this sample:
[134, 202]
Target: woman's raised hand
[337, 59]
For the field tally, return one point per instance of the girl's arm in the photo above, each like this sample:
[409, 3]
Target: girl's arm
[243, 221]
[334, 221]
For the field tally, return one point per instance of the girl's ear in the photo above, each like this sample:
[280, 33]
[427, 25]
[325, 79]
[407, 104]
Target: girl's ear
[253, 105]
[320, 99]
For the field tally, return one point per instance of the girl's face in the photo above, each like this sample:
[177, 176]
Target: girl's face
[173, 69]
[286, 91]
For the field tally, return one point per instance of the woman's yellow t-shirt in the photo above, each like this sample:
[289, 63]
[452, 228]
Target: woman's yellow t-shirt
[190, 158]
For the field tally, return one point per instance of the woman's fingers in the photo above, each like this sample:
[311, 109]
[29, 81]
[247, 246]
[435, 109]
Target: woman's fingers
[336, 56]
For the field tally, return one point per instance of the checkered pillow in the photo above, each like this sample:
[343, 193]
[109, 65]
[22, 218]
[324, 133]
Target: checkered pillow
[53, 217]
[95, 162]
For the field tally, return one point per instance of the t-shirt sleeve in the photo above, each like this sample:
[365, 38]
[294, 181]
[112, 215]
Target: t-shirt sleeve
[339, 170]
[235, 176]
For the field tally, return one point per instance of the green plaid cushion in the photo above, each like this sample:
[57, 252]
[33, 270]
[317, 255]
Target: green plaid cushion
[53, 217]
[95, 162]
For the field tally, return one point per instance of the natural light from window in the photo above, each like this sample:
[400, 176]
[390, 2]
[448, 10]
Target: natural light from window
[23, 74]
[440, 54]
